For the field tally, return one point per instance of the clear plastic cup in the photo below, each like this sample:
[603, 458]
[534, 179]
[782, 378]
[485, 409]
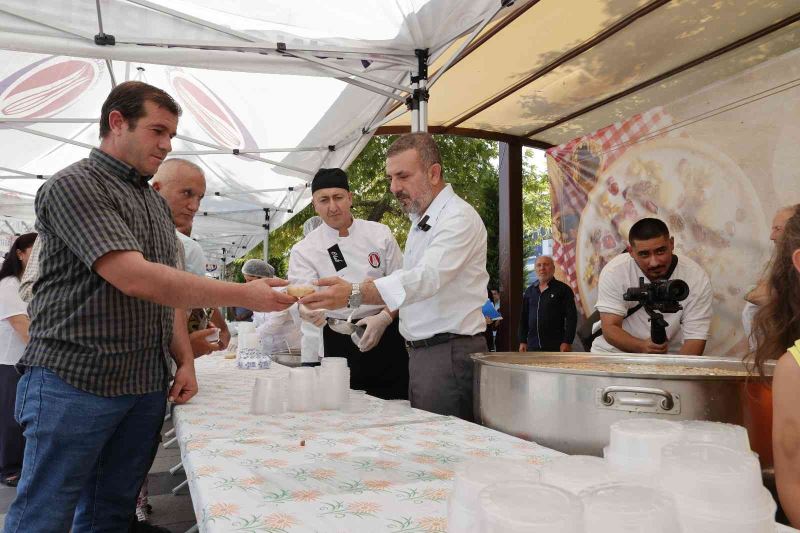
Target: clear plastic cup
[629, 508]
[303, 389]
[576, 473]
[213, 336]
[728, 435]
[715, 481]
[523, 507]
[473, 476]
[243, 328]
[334, 361]
[635, 444]
[269, 395]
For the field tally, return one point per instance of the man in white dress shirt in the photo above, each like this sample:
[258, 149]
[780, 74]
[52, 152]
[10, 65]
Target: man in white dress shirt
[356, 250]
[442, 286]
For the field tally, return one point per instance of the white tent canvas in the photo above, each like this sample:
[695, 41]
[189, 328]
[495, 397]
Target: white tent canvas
[259, 121]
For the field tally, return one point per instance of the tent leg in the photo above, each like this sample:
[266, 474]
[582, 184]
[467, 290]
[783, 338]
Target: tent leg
[266, 236]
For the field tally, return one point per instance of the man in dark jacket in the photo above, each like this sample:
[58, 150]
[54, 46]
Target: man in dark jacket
[549, 316]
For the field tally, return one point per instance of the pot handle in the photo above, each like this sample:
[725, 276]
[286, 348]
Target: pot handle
[667, 401]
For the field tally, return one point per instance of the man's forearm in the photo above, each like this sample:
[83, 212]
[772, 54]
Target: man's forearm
[218, 319]
[693, 347]
[171, 287]
[370, 294]
[181, 347]
[621, 339]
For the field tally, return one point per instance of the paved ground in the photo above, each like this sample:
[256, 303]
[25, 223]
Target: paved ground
[172, 512]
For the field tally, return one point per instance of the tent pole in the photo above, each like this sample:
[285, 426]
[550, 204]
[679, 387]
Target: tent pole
[418, 101]
[266, 236]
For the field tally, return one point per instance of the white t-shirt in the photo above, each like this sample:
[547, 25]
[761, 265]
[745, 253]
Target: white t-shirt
[692, 322]
[11, 345]
[195, 258]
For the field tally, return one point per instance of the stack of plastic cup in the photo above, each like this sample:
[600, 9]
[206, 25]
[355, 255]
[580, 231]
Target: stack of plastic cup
[629, 508]
[269, 395]
[717, 488]
[576, 473]
[329, 387]
[728, 435]
[303, 389]
[471, 478]
[357, 402]
[338, 379]
[635, 445]
[524, 507]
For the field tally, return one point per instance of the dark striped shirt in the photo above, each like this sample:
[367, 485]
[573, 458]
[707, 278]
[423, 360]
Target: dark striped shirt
[84, 329]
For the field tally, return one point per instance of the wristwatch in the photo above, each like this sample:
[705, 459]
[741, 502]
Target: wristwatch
[354, 300]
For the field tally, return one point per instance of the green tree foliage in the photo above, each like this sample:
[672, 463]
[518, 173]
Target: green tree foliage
[470, 165]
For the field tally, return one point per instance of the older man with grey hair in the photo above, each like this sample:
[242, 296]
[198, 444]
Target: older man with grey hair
[549, 315]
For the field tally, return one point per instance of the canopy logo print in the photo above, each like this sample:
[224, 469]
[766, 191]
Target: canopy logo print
[210, 112]
[46, 87]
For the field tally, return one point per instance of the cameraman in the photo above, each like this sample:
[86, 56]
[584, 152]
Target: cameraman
[650, 255]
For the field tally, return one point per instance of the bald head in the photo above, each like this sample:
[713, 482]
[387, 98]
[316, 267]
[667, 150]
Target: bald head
[545, 269]
[182, 184]
[779, 221]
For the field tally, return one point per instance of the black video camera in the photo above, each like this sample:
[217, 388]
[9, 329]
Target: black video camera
[661, 296]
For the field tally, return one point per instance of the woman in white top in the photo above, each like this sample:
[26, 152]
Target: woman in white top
[14, 324]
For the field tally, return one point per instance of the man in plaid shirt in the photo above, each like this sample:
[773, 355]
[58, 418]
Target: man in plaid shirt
[96, 380]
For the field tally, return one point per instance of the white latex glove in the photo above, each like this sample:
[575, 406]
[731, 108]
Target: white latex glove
[376, 325]
[316, 317]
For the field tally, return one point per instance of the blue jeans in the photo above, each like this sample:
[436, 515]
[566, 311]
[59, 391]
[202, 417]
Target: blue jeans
[85, 456]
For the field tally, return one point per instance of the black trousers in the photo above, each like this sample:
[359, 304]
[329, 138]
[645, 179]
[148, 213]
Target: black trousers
[382, 371]
[12, 443]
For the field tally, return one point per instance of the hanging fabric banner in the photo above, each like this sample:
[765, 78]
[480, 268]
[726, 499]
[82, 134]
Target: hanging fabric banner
[715, 166]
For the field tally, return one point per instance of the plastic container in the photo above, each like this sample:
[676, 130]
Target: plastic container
[303, 389]
[523, 507]
[629, 508]
[635, 444]
[249, 354]
[717, 488]
[576, 473]
[728, 435]
[269, 395]
[473, 476]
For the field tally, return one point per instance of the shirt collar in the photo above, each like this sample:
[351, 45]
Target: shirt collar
[118, 168]
[435, 209]
[334, 233]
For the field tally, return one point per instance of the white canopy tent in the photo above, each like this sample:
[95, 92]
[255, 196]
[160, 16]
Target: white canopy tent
[271, 91]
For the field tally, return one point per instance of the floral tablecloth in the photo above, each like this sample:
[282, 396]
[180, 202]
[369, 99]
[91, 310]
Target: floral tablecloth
[325, 471]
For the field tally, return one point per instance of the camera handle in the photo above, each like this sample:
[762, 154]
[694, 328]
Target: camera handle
[658, 326]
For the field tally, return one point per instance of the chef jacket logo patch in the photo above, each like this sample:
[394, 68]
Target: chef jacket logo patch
[337, 258]
[375, 260]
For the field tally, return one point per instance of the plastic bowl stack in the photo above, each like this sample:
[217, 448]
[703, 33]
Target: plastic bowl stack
[524, 507]
[717, 488]
[635, 445]
[576, 473]
[727, 435]
[471, 478]
[629, 508]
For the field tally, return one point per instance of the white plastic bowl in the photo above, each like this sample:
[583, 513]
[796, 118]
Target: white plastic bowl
[523, 507]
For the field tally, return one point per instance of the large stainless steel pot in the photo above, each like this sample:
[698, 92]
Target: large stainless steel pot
[570, 410]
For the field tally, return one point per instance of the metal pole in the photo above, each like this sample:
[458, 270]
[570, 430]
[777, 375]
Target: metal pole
[414, 109]
[266, 236]
[422, 116]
